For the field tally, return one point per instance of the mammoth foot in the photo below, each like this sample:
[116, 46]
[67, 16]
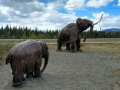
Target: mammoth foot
[79, 50]
[17, 84]
[68, 49]
[18, 81]
[72, 51]
[58, 50]
[29, 75]
[37, 76]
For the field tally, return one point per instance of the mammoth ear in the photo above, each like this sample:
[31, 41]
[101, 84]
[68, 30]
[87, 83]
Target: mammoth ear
[43, 45]
[79, 22]
[83, 24]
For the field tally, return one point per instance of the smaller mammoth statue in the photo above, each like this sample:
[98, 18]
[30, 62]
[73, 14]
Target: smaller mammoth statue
[70, 34]
[26, 58]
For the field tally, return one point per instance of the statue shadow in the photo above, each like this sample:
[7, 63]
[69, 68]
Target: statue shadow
[46, 81]
[68, 51]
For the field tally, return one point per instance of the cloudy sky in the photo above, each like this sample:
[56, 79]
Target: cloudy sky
[55, 14]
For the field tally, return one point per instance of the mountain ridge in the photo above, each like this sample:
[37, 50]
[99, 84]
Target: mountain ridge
[112, 30]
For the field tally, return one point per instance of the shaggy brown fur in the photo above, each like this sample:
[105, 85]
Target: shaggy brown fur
[26, 57]
[71, 32]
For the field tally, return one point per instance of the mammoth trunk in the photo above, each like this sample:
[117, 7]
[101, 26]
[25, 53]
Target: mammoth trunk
[45, 63]
[91, 29]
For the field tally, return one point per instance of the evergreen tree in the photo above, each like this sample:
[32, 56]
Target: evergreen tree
[26, 33]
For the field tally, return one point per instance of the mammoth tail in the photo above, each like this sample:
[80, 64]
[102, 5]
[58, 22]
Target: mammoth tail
[7, 60]
[45, 63]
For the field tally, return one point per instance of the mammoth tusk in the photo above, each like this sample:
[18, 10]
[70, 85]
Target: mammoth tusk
[99, 20]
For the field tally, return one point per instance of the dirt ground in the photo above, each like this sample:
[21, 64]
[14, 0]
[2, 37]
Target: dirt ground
[92, 69]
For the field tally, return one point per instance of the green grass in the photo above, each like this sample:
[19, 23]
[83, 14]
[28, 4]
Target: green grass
[4, 48]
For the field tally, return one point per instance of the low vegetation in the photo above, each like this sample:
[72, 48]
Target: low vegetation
[4, 48]
[107, 47]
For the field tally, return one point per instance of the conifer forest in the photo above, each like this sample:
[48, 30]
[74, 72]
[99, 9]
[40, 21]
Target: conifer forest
[28, 33]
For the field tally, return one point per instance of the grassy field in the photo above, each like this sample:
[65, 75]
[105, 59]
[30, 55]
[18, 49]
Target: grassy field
[54, 41]
[104, 44]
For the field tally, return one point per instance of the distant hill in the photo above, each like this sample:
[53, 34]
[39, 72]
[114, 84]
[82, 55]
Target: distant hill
[112, 30]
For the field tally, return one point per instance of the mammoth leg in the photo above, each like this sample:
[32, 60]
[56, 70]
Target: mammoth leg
[59, 46]
[29, 75]
[73, 44]
[78, 44]
[37, 71]
[18, 80]
[68, 46]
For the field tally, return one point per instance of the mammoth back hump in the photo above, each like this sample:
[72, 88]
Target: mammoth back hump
[68, 33]
[25, 48]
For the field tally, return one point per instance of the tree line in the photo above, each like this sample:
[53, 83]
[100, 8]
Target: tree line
[9, 32]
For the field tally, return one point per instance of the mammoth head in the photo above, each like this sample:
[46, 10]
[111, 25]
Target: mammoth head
[83, 24]
[44, 48]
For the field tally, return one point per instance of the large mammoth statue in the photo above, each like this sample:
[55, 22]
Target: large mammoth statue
[70, 34]
[26, 58]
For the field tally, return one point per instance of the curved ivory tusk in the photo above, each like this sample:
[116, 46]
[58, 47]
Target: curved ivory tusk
[99, 20]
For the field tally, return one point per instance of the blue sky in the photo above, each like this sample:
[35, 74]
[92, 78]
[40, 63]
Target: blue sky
[55, 14]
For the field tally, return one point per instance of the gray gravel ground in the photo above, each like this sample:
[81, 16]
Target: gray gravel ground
[87, 70]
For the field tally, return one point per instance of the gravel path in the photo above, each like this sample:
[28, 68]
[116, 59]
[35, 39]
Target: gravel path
[87, 70]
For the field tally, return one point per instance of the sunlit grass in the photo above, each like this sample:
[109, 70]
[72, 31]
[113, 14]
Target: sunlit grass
[4, 48]
[111, 47]
[6, 45]
[100, 46]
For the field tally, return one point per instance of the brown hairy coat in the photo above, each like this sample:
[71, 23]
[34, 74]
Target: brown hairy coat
[71, 31]
[70, 34]
[24, 56]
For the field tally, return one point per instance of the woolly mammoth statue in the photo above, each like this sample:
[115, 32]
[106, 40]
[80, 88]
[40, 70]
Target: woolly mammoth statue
[26, 58]
[70, 34]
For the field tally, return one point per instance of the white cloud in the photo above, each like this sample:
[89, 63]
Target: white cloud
[98, 3]
[108, 21]
[118, 2]
[32, 13]
[54, 5]
[23, 6]
[4, 10]
[74, 4]
[52, 20]
[84, 17]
